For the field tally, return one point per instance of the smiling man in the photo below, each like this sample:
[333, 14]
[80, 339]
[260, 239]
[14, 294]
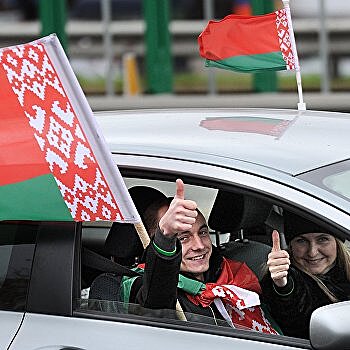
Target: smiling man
[196, 248]
[182, 264]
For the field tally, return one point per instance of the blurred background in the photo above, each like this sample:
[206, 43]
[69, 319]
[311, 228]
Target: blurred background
[144, 53]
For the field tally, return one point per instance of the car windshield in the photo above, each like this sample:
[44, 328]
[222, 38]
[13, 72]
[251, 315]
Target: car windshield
[339, 183]
[334, 178]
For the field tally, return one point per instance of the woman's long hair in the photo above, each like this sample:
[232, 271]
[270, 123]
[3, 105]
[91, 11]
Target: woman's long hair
[343, 261]
[343, 257]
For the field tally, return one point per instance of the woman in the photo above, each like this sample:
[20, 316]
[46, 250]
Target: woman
[315, 273]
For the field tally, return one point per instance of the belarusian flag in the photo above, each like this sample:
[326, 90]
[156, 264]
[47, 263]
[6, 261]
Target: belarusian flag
[250, 43]
[54, 164]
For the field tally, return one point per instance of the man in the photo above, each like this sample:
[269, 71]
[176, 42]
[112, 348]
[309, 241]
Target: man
[208, 285]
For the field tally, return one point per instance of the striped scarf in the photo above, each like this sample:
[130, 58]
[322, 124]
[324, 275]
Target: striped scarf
[236, 296]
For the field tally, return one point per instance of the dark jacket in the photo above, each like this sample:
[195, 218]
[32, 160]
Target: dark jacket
[292, 305]
[158, 288]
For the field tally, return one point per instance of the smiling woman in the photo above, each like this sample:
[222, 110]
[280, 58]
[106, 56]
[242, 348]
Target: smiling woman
[315, 253]
[314, 273]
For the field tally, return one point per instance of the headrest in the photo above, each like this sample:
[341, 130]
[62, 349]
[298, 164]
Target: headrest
[233, 211]
[143, 196]
[122, 240]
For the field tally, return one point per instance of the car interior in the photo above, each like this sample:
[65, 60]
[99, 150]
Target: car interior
[243, 218]
[240, 224]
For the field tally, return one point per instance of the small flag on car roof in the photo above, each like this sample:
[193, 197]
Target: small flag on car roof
[54, 162]
[252, 44]
[249, 43]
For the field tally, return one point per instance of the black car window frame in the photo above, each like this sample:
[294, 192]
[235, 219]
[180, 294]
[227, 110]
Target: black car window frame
[17, 248]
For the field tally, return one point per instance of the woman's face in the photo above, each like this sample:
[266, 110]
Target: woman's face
[314, 252]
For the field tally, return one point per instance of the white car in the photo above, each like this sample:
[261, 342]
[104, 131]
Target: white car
[238, 164]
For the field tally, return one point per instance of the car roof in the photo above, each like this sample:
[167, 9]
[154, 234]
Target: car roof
[287, 141]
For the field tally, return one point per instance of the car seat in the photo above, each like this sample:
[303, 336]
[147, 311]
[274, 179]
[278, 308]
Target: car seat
[104, 293]
[124, 245]
[105, 287]
[123, 242]
[243, 216]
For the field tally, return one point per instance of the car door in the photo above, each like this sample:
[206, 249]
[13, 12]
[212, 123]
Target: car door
[9, 325]
[56, 318]
[50, 288]
[17, 246]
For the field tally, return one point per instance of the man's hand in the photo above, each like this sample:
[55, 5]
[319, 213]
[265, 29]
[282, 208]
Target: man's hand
[278, 262]
[181, 214]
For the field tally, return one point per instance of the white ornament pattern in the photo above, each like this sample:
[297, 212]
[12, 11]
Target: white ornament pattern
[58, 132]
[284, 39]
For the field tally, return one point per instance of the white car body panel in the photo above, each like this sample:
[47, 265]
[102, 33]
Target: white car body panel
[9, 324]
[54, 332]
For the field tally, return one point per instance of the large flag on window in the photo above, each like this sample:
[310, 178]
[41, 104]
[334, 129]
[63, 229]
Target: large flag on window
[250, 43]
[54, 163]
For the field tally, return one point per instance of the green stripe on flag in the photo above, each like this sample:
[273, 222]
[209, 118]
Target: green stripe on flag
[38, 198]
[251, 63]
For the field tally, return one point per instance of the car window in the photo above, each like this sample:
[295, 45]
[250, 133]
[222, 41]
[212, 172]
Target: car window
[96, 296]
[333, 178]
[95, 233]
[339, 183]
[17, 245]
[243, 221]
[204, 196]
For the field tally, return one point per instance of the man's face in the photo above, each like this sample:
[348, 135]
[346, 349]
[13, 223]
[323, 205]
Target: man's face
[196, 248]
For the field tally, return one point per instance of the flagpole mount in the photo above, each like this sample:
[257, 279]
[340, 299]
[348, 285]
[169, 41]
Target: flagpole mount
[301, 103]
[301, 106]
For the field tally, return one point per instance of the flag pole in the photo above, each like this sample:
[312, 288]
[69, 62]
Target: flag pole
[301, 104]
[145, 240]
[142, 232]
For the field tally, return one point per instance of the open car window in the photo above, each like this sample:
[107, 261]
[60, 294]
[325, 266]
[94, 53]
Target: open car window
[240, 223]
[204, 196]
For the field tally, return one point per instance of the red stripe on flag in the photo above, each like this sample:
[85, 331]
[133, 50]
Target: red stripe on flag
[58, 131]
[20, 155]
[238, 36]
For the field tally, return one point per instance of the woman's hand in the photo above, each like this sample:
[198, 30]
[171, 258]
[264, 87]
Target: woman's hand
[278, 262]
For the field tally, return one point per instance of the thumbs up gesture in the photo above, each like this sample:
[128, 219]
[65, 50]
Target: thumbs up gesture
[181, 214]
[278, 262]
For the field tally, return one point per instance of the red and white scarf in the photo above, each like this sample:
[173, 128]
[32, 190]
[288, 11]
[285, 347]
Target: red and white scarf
[236, 296]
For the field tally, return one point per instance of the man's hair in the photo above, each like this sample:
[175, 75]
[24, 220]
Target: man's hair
[151, 219]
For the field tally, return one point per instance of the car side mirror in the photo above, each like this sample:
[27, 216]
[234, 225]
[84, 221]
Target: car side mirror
[330, 327]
